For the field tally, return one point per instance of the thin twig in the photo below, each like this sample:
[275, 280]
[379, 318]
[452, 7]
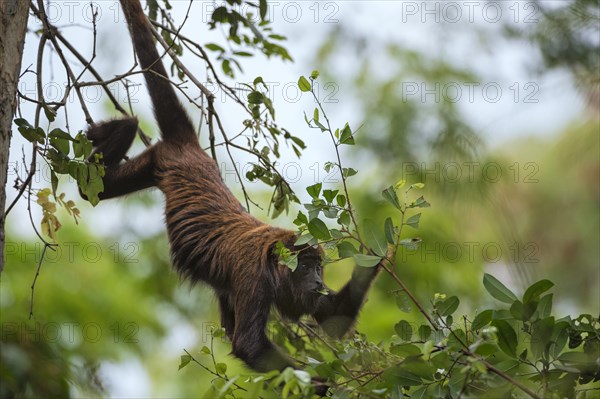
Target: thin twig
[37, 273]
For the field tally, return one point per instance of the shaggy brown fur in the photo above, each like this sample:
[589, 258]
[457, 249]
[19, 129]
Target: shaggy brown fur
[213, 239]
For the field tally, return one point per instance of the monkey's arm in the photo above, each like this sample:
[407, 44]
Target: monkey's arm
[113, 139]
[338, 311]
[250, 342]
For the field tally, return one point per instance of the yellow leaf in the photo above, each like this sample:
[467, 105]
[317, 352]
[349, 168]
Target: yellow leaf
[400, 184]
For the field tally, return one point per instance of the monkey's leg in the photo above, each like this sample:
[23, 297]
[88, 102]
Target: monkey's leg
[112, 139]
[227, 315]
[250, 343]
[337, 313]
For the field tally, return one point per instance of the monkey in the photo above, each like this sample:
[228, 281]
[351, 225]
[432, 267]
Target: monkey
[213, 239]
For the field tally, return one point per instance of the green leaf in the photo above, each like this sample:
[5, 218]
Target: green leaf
[341, 200]
[292, 262]
[541, 334]
[344, 218]
[482, 319]
[516, 309]
[185, 360]
[337, 234]
[53, 182]
[523, 355]
[403, 302]
[405, 350]
[397, 375]
[304, 84]
[497, 289]
[205, 350]
[277, 37]
[304, 239]
[226, 66]
[346, 249]
[410, 244]
[316, 115]
[329, 195]
[420, 393]
[347, 137]
[448, 307]
[375, 238]
[220, 14]
[545, 306]
[218, 332]
[21, 122]
[577, 359]
[214, 47]
[560, 336]
[221, 368]
[90, 181]
[319, 229]
[60, 140]
[388, 228]
[330, 212]
[314, 190]
[59, 133]
[300, 219]
[404, 330]
[314, 74]
[366, 260]
[262, 6]
[507, 338]
[522, 311]
[424, 332]
[82, 147]
[348, 172]
[456, 340]
[50, 113]
[60, 144]
[255, 97]
[502, 314]
[536, 289]
[420, 203]
[31, 133]
[413, 221]
[389, 194]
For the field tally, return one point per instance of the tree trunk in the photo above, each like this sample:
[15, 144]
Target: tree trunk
[13, 25]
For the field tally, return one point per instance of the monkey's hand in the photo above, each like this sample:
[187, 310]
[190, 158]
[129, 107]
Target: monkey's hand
[320, 385]
[112, 139]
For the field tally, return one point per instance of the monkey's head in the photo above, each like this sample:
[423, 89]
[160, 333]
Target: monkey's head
[308, 276]
[303, 287]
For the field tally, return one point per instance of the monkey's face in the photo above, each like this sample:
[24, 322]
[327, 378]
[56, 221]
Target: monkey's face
[307, 279]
